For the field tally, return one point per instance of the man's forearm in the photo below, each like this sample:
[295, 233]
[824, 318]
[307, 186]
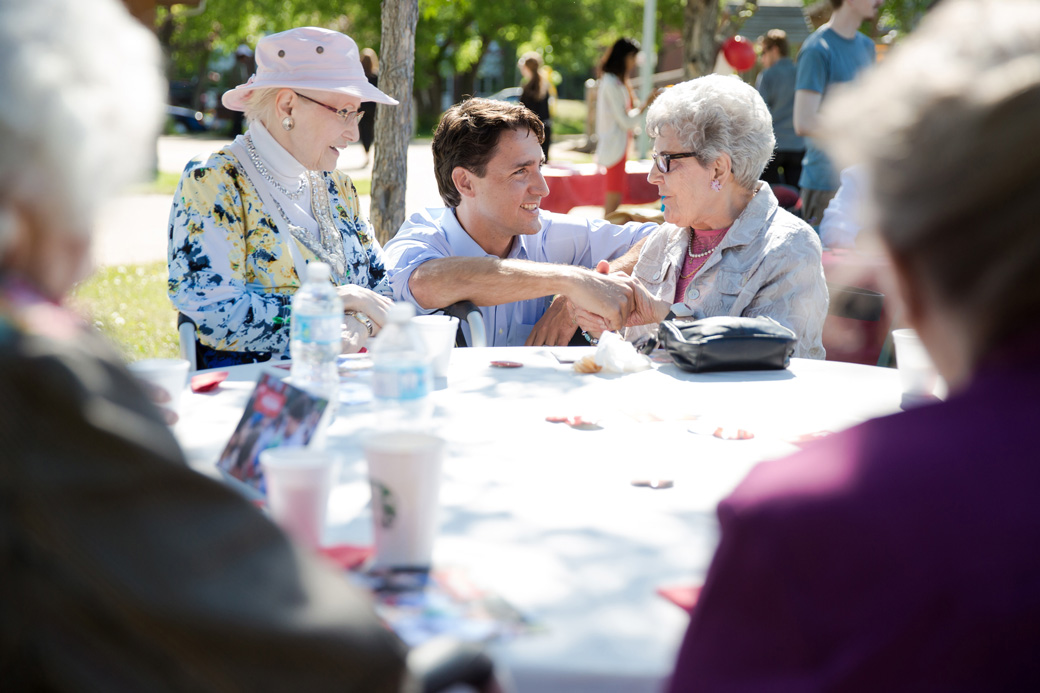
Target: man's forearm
[486, 281]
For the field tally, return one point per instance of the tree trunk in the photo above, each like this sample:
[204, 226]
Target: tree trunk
[700, 22]
[394, 123]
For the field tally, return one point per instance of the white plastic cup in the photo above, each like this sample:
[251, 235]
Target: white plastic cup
[438, 333]
[169, 374]
[916, 370]
[404, 471]
[298, 482]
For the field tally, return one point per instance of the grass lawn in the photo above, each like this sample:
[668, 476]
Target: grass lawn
[129, 305]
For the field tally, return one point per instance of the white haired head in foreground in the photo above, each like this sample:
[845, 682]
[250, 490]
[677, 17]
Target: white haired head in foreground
[947, 132]
[81, 94]
[714, 115]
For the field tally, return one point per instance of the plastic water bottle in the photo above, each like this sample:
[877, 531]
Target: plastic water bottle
[315, 329]
[402, 376]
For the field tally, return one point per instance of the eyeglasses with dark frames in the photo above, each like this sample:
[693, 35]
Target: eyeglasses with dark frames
[664, 161]
[344, 114]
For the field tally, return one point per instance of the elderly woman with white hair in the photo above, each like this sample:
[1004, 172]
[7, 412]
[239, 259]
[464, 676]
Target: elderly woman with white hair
[727, 247]
[246, 221]
[124, 569]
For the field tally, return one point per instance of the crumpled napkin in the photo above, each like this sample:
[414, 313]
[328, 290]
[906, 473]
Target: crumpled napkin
[615, 355]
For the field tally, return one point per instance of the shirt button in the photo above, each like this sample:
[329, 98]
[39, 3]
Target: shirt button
[693, 293]
[657, 275]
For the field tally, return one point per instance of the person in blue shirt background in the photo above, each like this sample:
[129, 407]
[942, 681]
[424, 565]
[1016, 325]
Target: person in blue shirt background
[833, 54]
[776, 85]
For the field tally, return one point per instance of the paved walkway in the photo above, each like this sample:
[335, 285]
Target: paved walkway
[133, 228]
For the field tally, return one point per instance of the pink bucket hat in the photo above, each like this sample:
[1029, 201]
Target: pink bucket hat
[307, 58]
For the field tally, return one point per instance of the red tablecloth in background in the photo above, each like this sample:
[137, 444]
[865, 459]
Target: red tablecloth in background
[848, 339]
[581, 185]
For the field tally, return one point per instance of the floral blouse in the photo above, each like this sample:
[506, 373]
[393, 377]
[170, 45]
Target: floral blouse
[231, 268]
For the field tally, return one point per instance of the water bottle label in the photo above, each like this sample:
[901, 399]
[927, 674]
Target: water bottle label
[317, 329]
[401, 382]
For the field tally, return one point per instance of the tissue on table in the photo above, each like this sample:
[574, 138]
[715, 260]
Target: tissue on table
[616, 355]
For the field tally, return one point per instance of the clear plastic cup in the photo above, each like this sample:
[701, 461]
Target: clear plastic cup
[298, 482]
[438, 333]
[169, 374]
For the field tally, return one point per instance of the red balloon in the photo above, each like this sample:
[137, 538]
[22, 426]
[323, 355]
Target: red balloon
[739, 53]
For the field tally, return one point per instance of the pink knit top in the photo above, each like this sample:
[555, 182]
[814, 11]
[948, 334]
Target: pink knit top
[701, 241]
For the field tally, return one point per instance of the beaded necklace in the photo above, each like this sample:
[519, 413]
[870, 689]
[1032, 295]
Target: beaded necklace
[259, 164]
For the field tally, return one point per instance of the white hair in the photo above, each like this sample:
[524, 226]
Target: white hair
[81, 94]
[260, 103]
[715, 115]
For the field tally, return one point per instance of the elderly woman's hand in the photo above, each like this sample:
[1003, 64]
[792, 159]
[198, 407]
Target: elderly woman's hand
[645, 308]
[366, 301]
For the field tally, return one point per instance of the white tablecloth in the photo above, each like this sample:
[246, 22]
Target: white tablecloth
[546, 515]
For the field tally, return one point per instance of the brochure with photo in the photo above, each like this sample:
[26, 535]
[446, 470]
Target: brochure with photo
[277, 414]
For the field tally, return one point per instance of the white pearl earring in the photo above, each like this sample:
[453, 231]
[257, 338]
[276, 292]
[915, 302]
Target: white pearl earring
[287, 123]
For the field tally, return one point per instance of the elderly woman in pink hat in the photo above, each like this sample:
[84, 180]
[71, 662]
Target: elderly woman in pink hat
[246, 221]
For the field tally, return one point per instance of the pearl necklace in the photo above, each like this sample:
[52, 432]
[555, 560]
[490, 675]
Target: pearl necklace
[707, 252]
[259, 164]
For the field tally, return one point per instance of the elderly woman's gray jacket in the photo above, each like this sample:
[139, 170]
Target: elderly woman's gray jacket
[767, 264]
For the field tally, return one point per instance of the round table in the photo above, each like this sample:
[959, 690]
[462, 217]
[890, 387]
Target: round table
[546, 515]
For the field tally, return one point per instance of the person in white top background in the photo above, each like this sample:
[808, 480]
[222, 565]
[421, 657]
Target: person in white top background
[617, 113]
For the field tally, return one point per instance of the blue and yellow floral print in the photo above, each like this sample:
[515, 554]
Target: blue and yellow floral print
[231, 268]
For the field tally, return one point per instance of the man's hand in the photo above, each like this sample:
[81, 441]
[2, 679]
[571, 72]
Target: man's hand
[645, 309]
[610, 297]
[366, 301]
[556, 327]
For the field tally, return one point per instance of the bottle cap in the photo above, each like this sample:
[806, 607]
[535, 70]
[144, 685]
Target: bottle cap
[318, 272]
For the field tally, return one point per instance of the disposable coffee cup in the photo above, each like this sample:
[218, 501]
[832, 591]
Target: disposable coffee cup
[438, 333]
[917, 373]
[169, 374]
[404, 471]
[298, 481]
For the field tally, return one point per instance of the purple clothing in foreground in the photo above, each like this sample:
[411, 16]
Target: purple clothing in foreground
[903, 554]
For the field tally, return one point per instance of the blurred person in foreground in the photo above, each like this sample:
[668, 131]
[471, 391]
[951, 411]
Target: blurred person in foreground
[776, 85]
[247, 220]
[123, 569]
[493, 244]
[726, 247]
[618, 111]
[900, 554]
[536, 94]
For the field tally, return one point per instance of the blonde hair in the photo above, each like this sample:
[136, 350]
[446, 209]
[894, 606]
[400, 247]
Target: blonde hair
[78, 115]
[260, 103]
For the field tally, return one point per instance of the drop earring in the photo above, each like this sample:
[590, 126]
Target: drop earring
[716, 185]
[287, 123]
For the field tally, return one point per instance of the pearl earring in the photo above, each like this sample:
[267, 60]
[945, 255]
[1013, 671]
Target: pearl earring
[716, 185]
[287, 123]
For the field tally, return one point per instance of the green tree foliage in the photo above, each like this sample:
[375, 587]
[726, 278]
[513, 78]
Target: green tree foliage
[452, 37]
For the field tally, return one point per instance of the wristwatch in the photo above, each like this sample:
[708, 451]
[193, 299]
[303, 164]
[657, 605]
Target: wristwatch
[363, 319]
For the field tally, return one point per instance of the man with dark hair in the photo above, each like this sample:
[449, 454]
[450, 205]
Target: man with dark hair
[493, 245]
[834, 53]
[776, 85]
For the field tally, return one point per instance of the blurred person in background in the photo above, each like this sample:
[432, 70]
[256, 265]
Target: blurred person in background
[537, 94]
[123, 569]
[367, 124]
[617, 113]
[726, 247]
[776, 85]
[834, 54]
[899, 554]
[247, 220]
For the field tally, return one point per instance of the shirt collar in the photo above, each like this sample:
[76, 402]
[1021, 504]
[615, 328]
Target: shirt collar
[281, 164]
[463, 245]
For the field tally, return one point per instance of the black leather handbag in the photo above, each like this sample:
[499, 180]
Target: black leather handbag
[727, 344]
